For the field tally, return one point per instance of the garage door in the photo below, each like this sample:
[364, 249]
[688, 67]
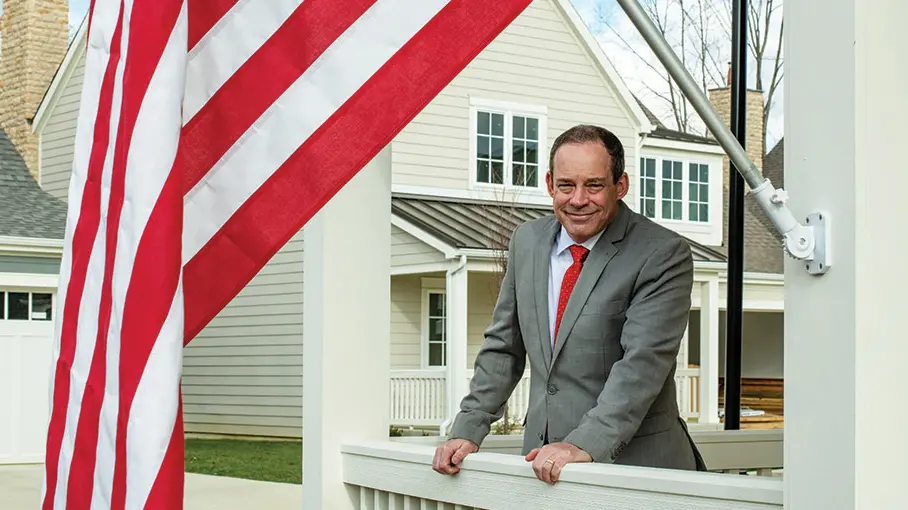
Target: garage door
[26, 340]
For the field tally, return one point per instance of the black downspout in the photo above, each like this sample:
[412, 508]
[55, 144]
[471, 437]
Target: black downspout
[735, 297]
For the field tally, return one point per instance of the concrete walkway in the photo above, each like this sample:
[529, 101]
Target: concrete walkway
[20, 489]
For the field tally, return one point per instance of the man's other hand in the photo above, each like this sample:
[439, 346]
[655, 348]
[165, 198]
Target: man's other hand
[449, 455]
[549, 460]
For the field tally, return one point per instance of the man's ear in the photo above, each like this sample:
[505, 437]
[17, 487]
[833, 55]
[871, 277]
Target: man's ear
[623, 185]
[550, 184]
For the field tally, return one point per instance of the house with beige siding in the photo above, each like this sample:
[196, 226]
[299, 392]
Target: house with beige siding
[465, 171]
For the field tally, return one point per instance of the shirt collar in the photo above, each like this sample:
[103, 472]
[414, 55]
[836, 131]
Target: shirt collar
[565, 241]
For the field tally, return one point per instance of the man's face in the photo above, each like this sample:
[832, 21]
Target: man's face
[584, 194]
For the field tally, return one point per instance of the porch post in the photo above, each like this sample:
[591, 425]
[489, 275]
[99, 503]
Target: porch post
[845, 331]
[346, 348]
[684, 351]
[456, 302]
[709, 351]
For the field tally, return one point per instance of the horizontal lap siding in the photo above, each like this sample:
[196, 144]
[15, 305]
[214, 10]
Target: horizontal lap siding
[537, 60]
[59, 135]
[243, 374]
[483, 293]
[406, 321]
[407, 250]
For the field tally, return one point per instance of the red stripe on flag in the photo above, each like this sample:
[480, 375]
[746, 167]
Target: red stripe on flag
[167, 490]
[203, 15]
[338, 150]
[155, 277]
[82, 243]
[91, 13]
[306, 34]
[156, 267]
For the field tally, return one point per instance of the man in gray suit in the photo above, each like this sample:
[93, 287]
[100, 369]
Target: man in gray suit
[597, 298]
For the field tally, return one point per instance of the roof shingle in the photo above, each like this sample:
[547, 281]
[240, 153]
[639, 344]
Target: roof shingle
[26, 210]
[763, 251]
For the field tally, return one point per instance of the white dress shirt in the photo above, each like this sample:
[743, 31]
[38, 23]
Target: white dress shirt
[559, 262]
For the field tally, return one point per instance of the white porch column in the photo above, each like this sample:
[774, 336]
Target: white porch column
[845, 332]
[347, 340]
[709, 351]
[456, 311]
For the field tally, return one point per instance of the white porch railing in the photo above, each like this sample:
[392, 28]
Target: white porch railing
[418, 397]
[687, 386]
[398, 475]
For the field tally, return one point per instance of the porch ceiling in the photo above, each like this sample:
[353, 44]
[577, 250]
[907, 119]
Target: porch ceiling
[475, 224]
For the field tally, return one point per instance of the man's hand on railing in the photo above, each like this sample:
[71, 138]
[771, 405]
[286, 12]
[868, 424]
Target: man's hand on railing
[549, 460]
[449, 455]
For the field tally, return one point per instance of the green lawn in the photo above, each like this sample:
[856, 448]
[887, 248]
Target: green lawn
[273, 461]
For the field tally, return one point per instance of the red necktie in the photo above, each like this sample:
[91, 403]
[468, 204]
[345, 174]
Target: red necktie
[567, 284]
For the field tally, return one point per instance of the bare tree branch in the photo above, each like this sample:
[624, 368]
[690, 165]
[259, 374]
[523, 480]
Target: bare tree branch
[777, 75]
[694, 29]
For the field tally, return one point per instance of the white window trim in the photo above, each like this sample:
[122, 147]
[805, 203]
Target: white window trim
[685, 189]
[509, 109]
[429, 286]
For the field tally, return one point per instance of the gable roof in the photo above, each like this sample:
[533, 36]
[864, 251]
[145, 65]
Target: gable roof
[61, 76]
[585, 37]
[26, 210]
[485, 225]
[623, 93]
[665, 133]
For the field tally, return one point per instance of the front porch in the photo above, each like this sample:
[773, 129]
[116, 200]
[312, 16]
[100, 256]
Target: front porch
[843, 122]
[443, 292]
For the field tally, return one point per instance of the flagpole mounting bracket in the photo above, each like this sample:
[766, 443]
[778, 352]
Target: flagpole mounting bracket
[809, 241]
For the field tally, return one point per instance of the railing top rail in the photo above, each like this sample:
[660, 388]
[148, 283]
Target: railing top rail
[721, 449]
[741, 489]
[687, 371]
[419, 373]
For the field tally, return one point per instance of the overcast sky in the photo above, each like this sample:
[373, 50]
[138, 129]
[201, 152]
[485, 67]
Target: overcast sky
[615, 33]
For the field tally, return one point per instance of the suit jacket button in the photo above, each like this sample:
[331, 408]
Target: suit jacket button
[552, 389]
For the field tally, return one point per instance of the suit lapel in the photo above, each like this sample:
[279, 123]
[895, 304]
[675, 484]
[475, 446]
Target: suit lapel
[593, 267]
[541, 258]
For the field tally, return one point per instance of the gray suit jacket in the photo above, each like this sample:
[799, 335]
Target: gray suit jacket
[609, 385]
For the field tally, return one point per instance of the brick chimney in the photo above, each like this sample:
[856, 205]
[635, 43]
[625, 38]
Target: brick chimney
[35, 35]
[721, 100]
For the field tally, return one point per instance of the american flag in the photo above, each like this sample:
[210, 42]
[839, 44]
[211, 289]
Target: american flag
[211, 131]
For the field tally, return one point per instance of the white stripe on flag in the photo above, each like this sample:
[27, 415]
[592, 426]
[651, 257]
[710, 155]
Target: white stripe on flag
[154, 409]
[104, 21]
[235, 38]
[87, 330]
[86, 335]
[151, 158]
[332, 79]
[149, 161]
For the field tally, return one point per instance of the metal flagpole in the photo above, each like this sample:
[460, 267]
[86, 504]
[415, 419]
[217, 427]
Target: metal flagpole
[734, 327]
[802, 242]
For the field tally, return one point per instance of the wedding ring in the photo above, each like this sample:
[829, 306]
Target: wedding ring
[552, 461]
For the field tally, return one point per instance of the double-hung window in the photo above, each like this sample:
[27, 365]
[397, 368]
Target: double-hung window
[674, 189]
[508, 145]
[435, 335]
